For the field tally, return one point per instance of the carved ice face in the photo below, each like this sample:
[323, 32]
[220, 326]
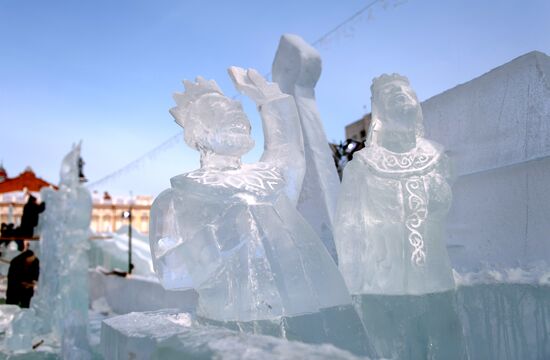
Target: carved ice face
[398, 104]
[219, 125]
[232, 133]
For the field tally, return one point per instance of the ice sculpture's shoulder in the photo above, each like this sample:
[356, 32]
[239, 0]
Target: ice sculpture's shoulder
[260, 179]
[164, 199]
[424, 157]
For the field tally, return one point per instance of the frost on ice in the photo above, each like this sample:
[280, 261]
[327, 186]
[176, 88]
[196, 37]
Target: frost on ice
[389, 231]
[232, 231]
[296, 69]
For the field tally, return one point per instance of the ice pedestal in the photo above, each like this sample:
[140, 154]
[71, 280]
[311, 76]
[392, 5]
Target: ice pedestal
[172, 335]
[412, 326]
[339, 326]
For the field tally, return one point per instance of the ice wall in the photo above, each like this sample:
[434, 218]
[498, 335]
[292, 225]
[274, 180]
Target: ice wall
[297, 68]
[506, 321]
[497, 130]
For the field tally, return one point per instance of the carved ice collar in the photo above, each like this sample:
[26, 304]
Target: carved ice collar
[390, 163]
[261, 179]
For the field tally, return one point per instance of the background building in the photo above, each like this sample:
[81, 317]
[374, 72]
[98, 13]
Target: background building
[358, 130]
[106, 213]
[108, 210]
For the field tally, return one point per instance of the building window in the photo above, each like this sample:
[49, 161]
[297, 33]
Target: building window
[144, 224]
[106, 226]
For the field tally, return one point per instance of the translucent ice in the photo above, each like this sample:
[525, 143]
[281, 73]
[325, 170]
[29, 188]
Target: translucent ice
[7, 313]
[389, 232]
[395, 195]
[173, 335]
[232, 231]
[296, 69]
[62, 297]
[20, 331]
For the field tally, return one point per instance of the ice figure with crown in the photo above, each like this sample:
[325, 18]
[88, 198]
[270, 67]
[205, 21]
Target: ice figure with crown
[232, 230]
[390, 231]
[62, 298]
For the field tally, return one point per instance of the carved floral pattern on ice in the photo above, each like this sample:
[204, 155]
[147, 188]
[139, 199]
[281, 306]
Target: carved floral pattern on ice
[260, 178]
[420, 158]
[417, 206]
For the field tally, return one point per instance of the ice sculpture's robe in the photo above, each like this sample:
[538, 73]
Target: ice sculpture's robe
[389, 227]
[236, 237]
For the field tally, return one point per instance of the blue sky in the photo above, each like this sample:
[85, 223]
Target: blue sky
[103, 71]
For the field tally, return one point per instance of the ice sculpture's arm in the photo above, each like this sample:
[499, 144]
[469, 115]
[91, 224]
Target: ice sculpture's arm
[283, 142]
[296, 69]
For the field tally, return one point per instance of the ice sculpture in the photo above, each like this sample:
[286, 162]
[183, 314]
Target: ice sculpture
[62, 298]
[232, 231]
[296, 69]
[389, 231]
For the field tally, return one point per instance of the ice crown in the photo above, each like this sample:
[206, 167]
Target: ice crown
[193, 91]
[384, 79]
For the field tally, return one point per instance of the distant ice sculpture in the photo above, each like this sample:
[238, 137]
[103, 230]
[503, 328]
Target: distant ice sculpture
[61, 301]
[232, 231]
[389, 231]
[296, 69]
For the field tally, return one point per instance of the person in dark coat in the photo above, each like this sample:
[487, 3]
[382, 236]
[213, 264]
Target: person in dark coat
[22, 277]
[29, 220]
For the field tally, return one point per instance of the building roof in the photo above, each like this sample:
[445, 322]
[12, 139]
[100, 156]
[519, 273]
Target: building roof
[26, 180]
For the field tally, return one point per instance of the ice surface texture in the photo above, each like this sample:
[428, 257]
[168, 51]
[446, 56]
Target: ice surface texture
[499, 138]
[61, 301]
[296, 69]
[232, 231]
[395, 196]
[172, 335]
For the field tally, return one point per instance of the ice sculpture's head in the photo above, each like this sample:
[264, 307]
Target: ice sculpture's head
[212, 121]
[394, 103]
[69, 173]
